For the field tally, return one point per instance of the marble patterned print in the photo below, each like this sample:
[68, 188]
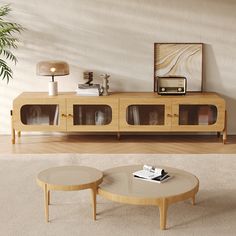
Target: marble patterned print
[180, 60]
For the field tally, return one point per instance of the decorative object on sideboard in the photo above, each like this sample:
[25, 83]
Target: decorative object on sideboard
[179, 59]
[88, 90]
[171, 85]
[105, 85]
[52, 68]
[88, 75]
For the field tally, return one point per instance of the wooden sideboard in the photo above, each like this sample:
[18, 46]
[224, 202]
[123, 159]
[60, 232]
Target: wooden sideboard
[119, 112]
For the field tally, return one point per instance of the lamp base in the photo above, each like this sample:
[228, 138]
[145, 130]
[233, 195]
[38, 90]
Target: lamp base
[52, 88]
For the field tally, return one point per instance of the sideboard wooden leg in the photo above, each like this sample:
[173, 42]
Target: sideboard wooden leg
[118, 135]
[18, 134]
[224, 140]
[225, 129]
[13, 132]
[13, 135]
[163, 214]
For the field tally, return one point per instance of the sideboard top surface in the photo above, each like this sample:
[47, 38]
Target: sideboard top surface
[65, 95]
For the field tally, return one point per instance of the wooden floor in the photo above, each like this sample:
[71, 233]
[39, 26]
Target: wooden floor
[110, 144]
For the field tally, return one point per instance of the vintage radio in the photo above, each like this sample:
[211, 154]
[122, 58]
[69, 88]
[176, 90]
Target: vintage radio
[174, 85]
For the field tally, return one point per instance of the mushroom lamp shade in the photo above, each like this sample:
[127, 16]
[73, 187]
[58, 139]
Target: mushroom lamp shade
[52, 68]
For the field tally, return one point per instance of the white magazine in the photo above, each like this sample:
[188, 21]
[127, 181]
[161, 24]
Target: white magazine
[153, 174]
[167, 177]
[145, 174]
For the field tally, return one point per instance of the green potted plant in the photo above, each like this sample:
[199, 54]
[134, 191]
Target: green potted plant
[8, 41]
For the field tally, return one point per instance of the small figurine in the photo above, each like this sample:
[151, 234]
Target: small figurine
[105, 85]
[88, 75]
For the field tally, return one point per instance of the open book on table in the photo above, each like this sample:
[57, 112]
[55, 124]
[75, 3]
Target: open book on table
[150, 173]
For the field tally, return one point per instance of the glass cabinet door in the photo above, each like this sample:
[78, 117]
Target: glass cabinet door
[40, 114]
[36, 115]
[148, 114]
[145, 115]
[92, 114]
[197, 114]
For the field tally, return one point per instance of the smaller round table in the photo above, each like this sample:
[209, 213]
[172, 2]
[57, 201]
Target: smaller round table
[119, 185]
[69, 178]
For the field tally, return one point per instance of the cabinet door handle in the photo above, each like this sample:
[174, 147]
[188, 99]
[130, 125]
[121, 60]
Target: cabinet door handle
[63, 115]
[176, 115]
[169, 115]
[70, 115]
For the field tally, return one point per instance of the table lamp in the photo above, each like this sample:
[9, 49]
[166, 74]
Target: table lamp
[52, 68]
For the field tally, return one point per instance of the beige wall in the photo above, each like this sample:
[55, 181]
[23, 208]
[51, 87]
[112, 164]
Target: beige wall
[117, 37]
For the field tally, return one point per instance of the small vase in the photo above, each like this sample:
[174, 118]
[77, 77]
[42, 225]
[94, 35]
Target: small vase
[52, 88]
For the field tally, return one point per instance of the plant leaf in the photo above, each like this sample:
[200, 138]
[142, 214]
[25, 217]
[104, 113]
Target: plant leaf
[8, 40]
[6, 71]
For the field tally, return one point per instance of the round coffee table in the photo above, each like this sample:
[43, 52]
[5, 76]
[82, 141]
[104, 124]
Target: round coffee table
[69, 178]
[119, 185]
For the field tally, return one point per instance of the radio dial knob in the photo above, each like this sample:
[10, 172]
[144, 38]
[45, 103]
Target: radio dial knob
[163, 89]
[179, 89]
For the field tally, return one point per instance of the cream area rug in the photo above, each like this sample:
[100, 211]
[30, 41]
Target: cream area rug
[21, 200]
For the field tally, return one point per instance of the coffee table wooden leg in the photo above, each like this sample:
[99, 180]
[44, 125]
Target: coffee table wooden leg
[94, 200]
[49, 197]
[163, 214]
[46, 202]
[193, 200]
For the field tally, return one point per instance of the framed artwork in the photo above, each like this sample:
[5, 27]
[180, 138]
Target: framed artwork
[179, 59]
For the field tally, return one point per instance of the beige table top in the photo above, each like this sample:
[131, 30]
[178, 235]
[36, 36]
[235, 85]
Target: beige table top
[120, 185]
[69, 178]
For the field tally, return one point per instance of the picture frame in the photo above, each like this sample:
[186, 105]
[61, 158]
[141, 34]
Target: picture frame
[179, 59]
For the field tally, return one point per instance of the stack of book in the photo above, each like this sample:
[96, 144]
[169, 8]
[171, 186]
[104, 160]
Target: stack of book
[153, 174]
[88, 90]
